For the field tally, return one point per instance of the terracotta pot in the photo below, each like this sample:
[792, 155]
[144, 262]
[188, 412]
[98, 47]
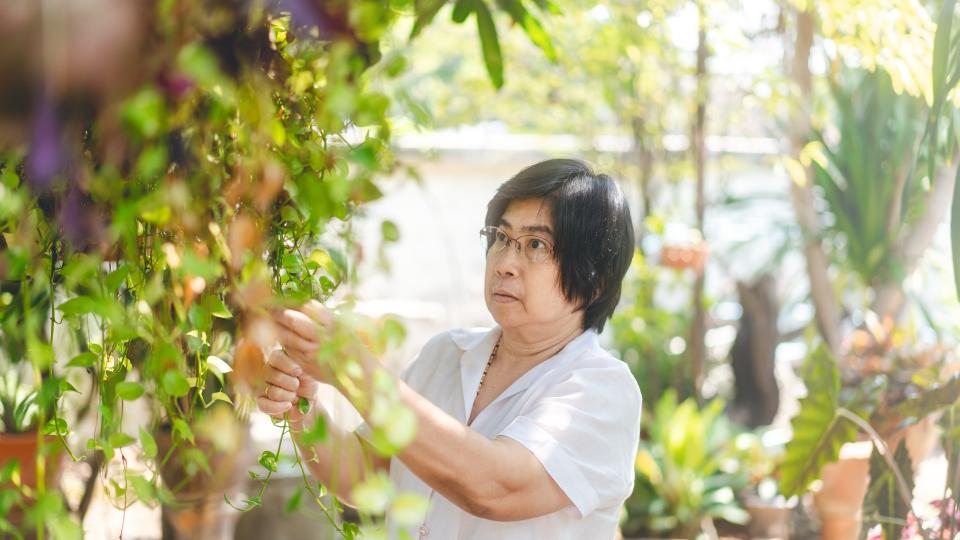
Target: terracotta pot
[200, 510]
[768, 518]
[23, 448]
[682, 257]
[839, 501]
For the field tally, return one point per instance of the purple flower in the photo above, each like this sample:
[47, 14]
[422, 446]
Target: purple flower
[46, 148]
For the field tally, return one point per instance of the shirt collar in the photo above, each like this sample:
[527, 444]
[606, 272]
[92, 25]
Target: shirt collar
[477, 346]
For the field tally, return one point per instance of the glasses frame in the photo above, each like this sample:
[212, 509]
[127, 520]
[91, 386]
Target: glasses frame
[521, 248]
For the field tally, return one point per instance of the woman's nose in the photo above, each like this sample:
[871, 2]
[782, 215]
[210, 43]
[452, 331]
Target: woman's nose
[508, 260]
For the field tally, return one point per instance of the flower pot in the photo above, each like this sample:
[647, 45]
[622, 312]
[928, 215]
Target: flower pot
[682, 257]
[200, 510]
[23, 448]
[839, 502]
[769, 518]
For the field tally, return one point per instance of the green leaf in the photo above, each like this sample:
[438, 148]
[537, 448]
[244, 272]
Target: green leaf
[941, 58]
[220, 396]
[83, 360]
[490, 44]
[182, 430]
[461, 10]
[268, 460]
[929, 400]
[129, 390]
[373, 494]
[143, 488]
[175, 384]
[218, 365]
[409, 509]
[389, 231]
[426, 10]
[818, 432]
[955, 235]
[56, 426]
[199, 63]
[148, 444]
[531, 26]
[317, 433]
[144, 112]
[293, 503]
[941, 50]
[217, 308]
[115, 279]
[303, 405]
[80, 305]
[883, 498]
[121, 439]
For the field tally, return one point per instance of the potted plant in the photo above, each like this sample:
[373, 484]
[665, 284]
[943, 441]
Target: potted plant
[688, 472]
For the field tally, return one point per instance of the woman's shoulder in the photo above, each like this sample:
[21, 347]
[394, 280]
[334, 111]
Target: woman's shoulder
[444, 347]
[598, 370]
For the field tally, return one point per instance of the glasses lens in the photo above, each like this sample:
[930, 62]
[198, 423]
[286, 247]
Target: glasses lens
[536, 249]
[488, 239]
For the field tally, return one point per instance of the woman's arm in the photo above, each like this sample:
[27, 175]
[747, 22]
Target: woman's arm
[339, 462]
[496, 479]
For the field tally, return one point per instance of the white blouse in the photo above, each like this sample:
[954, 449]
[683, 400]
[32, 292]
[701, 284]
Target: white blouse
[577, 412]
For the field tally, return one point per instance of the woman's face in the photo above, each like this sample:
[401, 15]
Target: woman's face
[519, 293]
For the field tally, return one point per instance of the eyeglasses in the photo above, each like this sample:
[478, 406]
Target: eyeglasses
[534, 248]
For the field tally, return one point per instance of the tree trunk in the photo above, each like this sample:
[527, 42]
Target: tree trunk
[889, 299]
[757, 396]
[644, 154]
[821, 291]
[697, 348]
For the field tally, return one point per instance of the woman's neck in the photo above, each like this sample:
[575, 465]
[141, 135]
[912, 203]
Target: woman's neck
[522, 348]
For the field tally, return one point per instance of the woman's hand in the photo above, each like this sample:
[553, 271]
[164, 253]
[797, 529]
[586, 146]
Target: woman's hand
[286, 384]
[302, 332]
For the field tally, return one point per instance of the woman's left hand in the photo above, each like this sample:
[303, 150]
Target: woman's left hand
[302, 332]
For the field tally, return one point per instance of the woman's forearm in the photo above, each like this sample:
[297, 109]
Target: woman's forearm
[341, 460]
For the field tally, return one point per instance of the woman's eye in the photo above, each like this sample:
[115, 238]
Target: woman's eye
[537, 244]
[500, 237]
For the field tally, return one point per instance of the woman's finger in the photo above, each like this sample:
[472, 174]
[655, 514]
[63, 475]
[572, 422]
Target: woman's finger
[282, 380]
[308, 387]
[276, 393]
[273, 408]
[317, 313]
[282, 361]
[293, 341]
[299, 323]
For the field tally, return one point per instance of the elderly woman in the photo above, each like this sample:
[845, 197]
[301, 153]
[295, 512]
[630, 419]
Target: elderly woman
[527, 430]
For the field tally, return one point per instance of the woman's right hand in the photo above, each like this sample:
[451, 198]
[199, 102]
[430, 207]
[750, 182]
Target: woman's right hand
[286, 384]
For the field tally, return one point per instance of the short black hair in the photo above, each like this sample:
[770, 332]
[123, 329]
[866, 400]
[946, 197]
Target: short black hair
[592, 230]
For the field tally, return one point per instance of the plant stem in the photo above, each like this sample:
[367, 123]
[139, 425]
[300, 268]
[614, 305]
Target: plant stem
[306, 483]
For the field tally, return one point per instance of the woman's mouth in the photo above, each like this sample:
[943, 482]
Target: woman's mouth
[502, 297]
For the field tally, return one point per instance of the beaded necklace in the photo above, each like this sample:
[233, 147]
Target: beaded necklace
[423, 525]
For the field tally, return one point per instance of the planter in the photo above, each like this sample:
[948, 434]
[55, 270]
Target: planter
[769, 518]
[839, 502]
[200, 510]
[23, 448]
[682, 257]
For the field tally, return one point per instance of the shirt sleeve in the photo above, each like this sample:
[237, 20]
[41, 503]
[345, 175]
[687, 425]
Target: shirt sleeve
[585, 431]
